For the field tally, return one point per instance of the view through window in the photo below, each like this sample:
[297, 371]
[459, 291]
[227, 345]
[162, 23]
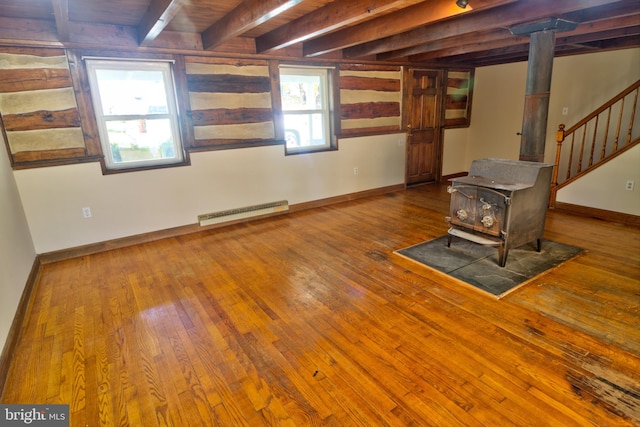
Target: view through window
[136, 112]
[305, 106]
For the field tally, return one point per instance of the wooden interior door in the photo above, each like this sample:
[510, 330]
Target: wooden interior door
[423, 125]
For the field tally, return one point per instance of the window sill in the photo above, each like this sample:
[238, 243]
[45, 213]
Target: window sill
[106, 171]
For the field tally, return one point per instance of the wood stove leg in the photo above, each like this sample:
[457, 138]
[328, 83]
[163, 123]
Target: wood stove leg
[539, 243]
[449, 237]
[502, 255]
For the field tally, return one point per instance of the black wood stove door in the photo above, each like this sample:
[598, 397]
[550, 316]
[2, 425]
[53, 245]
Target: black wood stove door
[477, 208]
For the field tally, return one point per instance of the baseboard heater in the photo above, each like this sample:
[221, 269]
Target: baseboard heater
[242, 213]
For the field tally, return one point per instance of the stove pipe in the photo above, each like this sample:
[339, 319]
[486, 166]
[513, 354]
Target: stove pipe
[536, 98]
[536, 101]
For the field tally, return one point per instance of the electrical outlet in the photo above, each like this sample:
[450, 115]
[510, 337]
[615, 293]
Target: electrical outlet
[565, 111]
[355, 171]
[86, 212]
[630, 185]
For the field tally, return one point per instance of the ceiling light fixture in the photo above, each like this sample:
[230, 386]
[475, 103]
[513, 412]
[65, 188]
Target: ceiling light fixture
[462, 3]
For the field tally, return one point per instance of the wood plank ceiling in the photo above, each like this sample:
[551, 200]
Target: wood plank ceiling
[434, 32]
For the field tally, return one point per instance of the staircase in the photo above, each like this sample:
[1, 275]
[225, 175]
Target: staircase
[604, 134]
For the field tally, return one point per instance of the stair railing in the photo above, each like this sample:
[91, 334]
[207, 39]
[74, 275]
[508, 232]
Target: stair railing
[596, 138]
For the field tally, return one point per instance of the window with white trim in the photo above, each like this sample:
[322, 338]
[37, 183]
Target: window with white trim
[306, 108]
[136, 113]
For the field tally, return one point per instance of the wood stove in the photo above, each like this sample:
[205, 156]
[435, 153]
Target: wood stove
[500, 203]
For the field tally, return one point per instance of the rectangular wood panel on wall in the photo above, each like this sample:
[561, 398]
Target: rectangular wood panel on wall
[370, 99]
[38, 107]
[230, 102]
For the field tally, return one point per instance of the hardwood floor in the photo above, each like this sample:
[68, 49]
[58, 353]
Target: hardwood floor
[311, 319]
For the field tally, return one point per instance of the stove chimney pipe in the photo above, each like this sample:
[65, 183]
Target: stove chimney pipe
[536, 101]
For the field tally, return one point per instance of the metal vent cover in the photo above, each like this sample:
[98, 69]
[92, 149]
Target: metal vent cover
[244, 212]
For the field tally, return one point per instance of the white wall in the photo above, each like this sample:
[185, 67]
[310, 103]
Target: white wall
[608, 183]
[454, 157]
[132, 203]
[498, 105]
[17, 253]
[580, 83]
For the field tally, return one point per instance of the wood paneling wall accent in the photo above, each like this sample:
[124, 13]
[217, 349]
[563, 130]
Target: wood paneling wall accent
[38, 106]
[370, 98]
[47, 118]
[230, 102]
[457, 108]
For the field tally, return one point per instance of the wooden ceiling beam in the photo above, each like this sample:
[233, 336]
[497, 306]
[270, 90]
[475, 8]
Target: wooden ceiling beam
[485, 44]
[517, 53]
[501, 57]
[247, 15]
[158, 15]
[589, 29]
[608, 40]
[418, 15]
[502, 17]
[448, 43]
[622, 8]
[61, 14]
[585, 39]
[602, 45]
[324, 20]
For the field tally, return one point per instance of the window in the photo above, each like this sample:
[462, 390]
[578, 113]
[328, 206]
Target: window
[135, 107]
[306, 109]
